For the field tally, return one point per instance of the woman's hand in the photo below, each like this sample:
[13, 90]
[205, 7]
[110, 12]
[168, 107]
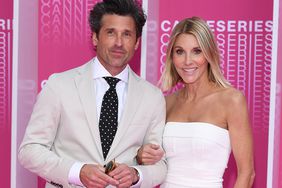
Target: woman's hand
[149, 154]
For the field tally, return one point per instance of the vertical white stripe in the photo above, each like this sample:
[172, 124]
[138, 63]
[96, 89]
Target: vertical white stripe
[272, 94]
[9, 49]
[249, 73]
[14, 95]
[144, 43]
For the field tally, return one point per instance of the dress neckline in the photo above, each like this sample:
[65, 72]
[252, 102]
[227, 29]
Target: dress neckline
[197, 123]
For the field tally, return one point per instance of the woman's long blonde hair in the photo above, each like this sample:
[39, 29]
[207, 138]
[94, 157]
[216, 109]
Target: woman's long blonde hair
[198, 28]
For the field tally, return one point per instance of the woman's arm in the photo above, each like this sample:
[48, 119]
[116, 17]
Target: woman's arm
[241, 139]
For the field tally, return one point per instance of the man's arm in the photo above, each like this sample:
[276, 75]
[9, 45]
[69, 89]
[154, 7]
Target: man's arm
[154, 175]
[35, 150]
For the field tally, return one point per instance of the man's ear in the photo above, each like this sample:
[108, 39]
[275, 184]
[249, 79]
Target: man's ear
[137, 43]
[94, 39]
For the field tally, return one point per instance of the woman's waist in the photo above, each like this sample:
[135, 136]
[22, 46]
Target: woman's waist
[192, 180]
[195, 173]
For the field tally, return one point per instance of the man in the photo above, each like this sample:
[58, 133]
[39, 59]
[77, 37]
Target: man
[76, 128]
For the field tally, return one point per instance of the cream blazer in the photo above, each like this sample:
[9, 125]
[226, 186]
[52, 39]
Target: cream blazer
[63, 128]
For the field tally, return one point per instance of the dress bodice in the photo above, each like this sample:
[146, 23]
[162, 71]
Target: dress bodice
[197, 154]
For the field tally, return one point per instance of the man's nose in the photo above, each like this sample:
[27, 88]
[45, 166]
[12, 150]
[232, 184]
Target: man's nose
[118, 40]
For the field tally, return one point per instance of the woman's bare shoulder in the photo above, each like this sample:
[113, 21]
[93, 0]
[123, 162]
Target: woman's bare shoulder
[171, 98]
[232, 96]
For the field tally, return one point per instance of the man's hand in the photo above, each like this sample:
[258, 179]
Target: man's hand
[125, 175]
[94, 176]
[149, 154]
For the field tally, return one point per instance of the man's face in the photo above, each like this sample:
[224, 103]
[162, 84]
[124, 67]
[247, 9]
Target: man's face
[116, 42]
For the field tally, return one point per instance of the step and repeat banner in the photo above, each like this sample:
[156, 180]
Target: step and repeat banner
[65, 37]
[6, 38]
[277, 163]
[243, 30]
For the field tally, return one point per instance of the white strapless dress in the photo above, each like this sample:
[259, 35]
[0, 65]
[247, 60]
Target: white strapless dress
[197, 154]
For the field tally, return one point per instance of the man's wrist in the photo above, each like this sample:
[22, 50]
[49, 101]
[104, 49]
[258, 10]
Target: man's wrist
[136, 176]
[74, 174]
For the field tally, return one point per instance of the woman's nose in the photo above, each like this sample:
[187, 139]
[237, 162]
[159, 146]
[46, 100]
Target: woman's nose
[188, 59]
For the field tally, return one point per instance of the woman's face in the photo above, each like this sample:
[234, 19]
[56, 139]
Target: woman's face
[189, 59]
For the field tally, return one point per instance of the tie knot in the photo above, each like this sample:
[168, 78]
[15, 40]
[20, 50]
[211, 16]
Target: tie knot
[112, 81]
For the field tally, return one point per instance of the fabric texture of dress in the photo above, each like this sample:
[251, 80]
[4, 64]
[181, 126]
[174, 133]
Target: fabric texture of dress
[197, 154]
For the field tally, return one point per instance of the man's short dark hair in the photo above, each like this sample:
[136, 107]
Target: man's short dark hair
[131, 8]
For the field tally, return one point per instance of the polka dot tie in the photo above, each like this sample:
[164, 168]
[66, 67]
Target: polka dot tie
[109, 116]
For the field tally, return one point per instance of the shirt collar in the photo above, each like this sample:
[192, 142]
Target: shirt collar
[99, 71]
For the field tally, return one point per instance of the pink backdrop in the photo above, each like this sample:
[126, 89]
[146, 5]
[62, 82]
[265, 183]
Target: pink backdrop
[242, 28]
[65, 38]
[244, 35]
[6, 15]
[278, 117]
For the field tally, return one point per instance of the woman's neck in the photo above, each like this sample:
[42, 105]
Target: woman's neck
[195, 91]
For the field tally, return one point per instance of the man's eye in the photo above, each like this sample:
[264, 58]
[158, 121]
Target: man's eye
[110, 32]
[127, 34]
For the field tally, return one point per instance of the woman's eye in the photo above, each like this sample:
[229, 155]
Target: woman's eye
[197, 51]
[179, 51]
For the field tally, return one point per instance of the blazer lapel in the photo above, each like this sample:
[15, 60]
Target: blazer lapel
[86, 89]
[134, 97]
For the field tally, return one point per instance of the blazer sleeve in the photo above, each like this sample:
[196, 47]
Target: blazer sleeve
[154, 175]
[35, 150]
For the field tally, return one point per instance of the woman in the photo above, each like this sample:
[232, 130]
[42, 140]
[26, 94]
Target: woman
[205, 119]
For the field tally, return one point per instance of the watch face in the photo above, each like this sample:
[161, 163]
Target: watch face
[110, 166]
